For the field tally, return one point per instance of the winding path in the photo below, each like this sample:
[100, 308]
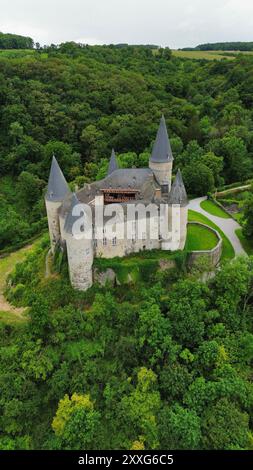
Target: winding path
[228, 226]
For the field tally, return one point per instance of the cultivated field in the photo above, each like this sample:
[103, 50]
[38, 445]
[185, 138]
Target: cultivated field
[207, 55]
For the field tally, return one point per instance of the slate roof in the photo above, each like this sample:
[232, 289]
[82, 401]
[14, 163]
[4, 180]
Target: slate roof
[161, 151]
[127, 178]
[113, 163]
[70, 219]
[57, 187]
[178, 193]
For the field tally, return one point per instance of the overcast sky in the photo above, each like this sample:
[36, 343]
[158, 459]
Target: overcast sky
[174, 23]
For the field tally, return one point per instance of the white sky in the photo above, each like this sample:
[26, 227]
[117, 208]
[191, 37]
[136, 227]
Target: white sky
[174, 23]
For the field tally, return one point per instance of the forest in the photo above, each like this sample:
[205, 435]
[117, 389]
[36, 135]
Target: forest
[15, 41]
[165, 363]
[222, 46]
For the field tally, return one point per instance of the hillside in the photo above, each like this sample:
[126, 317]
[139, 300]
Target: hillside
[160, 357]
[79, 102]
[222, 46]
[147, 367]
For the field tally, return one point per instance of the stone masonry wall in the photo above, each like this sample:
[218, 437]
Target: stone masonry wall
[213, 255]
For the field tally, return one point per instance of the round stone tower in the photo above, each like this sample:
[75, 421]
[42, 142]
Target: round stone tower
[79, 247]
[178, 214]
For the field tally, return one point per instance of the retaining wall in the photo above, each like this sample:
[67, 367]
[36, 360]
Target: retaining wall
[213, 255]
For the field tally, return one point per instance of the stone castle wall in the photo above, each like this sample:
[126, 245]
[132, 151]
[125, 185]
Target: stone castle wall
[213, 255]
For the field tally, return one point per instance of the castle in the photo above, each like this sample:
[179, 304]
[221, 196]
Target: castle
[121, 186]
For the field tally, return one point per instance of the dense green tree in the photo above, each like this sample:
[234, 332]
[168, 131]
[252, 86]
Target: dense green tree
[225, 427]
[198, 179]
[179, 428]
[75, 422]
[248, 216]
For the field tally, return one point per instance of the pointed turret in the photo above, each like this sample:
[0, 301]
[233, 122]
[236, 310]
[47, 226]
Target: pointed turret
[113, 163]
[161, 152]
[178, 193]
[70, 219]
[57, 185]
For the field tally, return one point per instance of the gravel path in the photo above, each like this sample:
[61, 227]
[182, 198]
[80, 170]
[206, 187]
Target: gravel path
[228, 226]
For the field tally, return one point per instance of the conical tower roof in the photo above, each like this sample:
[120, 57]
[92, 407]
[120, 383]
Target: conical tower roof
[70, 218]
[178, 193]
[113, 163]
[57, 185]
[162, 150]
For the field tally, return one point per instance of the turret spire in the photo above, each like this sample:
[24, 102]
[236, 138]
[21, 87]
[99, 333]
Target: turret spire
[178, 193]
[57, 185]
[161, 150]
[113, 163]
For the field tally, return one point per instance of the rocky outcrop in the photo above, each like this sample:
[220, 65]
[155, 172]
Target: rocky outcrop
[105, 277]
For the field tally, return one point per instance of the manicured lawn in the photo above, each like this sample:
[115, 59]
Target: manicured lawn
[227, 249]
[246, 244]
[212, 209]
[200, 238]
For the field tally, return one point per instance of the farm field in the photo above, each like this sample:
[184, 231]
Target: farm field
[208, 55]
[20, 53]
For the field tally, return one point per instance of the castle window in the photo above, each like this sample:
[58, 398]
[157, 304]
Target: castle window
[95, 243]
[165, 189]
[87, 251]
[104, 241]
[114, 241]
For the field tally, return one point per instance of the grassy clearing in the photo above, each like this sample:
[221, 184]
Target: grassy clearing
[8, 263]
[200, 238]
[227, 249]
[207, 55]
[246, 244]
[11, 318]
[212, 209]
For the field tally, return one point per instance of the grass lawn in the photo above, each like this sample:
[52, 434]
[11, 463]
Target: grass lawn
[200, 238]
[246, 244]
[227, 249]
[212, 209]
[239, 217]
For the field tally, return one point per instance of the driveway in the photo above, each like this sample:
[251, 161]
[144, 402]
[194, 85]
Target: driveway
[228, 226]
